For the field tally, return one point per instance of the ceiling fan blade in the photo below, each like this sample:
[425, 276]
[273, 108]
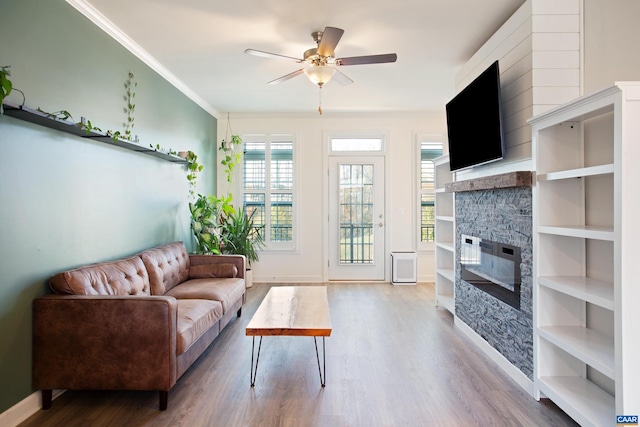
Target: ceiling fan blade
[263, 54]
[330, 38]
[369, 59]
[287, 77]
[341, 78]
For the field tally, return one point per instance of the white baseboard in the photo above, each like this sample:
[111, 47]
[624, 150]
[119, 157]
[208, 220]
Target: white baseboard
[287, 279]
[521, 379]
[24, 409]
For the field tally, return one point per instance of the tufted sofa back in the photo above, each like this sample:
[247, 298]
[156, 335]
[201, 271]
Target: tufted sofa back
[123, 277]
[167, 265]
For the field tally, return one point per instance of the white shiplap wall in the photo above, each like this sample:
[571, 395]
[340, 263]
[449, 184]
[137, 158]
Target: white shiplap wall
[539, 49]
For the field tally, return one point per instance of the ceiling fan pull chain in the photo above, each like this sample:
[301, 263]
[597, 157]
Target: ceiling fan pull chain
[320, 99]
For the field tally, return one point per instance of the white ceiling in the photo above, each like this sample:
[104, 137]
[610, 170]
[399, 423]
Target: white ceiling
[202, 43]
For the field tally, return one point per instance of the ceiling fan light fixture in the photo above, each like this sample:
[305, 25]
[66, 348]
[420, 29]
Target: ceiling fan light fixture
[319, 74]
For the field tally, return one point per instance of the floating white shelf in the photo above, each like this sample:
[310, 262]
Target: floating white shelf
[592, 348]
[590, 290]
[588, 404]
[577, 173]
[581, 231]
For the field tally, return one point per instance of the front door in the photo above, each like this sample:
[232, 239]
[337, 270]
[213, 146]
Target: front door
[356, 218]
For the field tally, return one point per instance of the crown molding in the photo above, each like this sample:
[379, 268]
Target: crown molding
[121, 37]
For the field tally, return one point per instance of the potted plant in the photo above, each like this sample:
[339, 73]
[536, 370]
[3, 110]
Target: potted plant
[208, 214]
[204, 225]
[242, 237]
[5, 84]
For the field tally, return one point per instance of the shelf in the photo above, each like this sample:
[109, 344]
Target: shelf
[581, 231]
[441, 190]
[446, 218]
[447, 273]
[590, 290]
[600, 360]
[447, 246]
[494, 182]
[586, 403]
[34, 116]
[446, 301]
[577, 173]
[592, 348]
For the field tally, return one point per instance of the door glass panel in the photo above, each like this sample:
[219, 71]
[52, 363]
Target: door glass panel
[356, 213]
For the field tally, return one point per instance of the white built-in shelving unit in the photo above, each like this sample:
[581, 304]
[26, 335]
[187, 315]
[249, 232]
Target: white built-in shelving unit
[445, 236]
[586, 255]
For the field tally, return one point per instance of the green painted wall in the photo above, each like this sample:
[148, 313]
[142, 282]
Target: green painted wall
[67, 201]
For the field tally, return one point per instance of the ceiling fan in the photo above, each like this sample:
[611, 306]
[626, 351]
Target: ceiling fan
[321, 62]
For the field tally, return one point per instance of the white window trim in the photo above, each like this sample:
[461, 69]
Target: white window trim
[419, 139]
[384, 136]
[293, 245]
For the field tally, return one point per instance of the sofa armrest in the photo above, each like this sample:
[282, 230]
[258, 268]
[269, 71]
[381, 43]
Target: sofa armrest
[238, 260]
[104, 342]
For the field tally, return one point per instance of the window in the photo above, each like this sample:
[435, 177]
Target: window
[268, 187]
[428, 152]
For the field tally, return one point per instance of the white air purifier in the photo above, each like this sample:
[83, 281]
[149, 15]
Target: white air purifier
[404, 270]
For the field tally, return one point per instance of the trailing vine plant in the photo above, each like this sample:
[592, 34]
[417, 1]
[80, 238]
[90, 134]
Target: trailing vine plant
[231, 157]
[65, 115]
[193, 169]
[129, 95]
[6, 86]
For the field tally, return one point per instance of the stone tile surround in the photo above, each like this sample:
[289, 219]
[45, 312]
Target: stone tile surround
[502, 215]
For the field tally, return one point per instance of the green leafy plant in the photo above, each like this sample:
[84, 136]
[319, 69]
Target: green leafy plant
[207, 215]
[130, 108]
[204, 225]
[231, 158]
[5, 84]
[242, 236]
[65, 115]
[193, 169]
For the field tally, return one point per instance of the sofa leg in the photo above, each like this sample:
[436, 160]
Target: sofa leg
[164, 398]
[240, 312]
[47, 397]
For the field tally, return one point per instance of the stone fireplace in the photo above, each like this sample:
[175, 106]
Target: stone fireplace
[493, 271]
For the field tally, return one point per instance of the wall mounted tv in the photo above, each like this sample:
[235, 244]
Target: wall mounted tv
[474, 122]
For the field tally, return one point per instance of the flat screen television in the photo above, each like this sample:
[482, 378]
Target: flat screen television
[474, 122]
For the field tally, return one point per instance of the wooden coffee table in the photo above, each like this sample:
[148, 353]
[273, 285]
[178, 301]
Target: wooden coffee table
[292, 311]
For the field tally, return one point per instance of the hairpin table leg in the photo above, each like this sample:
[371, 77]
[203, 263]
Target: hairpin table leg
[255, 373]
[323, 376]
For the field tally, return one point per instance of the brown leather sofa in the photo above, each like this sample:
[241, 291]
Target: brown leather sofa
[133, 324]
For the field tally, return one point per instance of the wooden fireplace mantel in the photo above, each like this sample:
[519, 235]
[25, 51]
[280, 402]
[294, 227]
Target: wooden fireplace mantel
[493, 182]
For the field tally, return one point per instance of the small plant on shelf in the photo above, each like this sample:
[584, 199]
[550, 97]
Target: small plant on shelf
[5, 84]
[64, 115]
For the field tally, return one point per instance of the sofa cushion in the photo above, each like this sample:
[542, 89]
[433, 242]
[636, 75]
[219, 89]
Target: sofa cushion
[195, 317]
[123, 277]
[208, 271]
[225, 290]
[168, 265]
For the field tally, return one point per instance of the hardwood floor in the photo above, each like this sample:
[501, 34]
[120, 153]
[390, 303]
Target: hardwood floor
[393, 359]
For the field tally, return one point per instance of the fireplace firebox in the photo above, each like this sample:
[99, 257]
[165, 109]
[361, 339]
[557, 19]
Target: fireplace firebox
[492, 267]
